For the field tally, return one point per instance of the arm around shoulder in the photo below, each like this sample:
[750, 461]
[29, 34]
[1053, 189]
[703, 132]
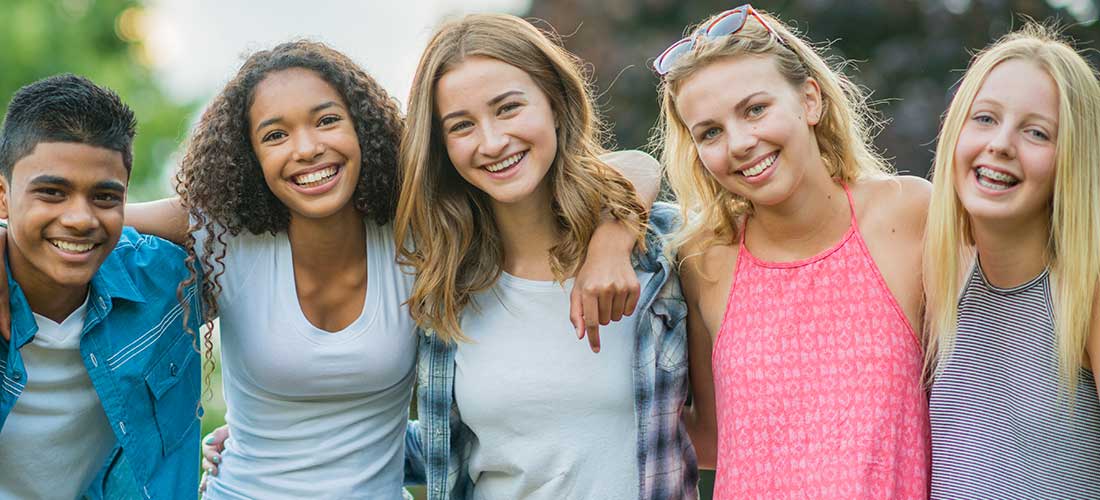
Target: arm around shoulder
[166, 218]
[701, 417]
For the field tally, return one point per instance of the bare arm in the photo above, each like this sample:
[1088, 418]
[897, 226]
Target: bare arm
[701, 417]
[166, 218]
[606, 288]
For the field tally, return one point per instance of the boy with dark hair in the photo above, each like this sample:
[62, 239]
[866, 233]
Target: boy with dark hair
[99, 383]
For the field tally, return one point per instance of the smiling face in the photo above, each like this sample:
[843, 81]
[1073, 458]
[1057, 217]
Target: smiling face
[64, 205]
[1005, 156]
[752, 129]
[499, 129]
[305, 140]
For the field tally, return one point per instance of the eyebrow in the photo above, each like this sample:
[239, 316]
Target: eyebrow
[740, 104]
[53, 180]
[492, 102]
[997, 104]
[276, 119]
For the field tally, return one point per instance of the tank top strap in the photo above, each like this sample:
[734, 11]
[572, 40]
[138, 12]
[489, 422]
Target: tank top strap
[851, 203]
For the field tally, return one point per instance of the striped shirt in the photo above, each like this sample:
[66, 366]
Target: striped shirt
[1000, 426]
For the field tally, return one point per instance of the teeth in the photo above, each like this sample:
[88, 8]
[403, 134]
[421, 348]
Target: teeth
[313, 177]
[505, 163]
[72, 247]
[1002, 179]
[760, 167]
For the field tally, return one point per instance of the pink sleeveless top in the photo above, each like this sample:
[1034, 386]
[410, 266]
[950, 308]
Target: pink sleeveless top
[818, 380]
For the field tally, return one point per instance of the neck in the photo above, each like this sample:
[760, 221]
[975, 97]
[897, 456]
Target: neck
[337, 241]
[1012, 252]
[528, 229]
[809, 218]
[44, 296]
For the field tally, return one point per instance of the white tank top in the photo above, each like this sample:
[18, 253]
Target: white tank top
[312, 414]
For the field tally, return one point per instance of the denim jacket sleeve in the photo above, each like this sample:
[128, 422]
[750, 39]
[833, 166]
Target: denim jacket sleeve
[416, 472]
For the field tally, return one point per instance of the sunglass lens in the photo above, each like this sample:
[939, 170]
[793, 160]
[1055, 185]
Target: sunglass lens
[665, 61]
[730, 23]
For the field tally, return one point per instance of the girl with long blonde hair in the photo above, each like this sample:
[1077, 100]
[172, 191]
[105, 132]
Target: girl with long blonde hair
[1012, 265]
[502, 190]
[800, 257]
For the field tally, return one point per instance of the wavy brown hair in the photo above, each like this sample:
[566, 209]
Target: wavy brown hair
[220, 180]
[451, 237]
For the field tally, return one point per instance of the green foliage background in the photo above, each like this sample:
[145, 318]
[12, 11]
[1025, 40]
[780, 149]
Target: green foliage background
[45, 37]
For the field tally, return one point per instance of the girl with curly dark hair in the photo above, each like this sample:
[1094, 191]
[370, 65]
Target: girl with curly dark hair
[286, 194]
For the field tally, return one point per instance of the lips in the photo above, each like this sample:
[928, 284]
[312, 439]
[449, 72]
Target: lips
[995, 179]
[73, 246]
[315, 177]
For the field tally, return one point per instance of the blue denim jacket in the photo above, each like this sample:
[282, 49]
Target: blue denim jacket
[438, 445]
[144, 368]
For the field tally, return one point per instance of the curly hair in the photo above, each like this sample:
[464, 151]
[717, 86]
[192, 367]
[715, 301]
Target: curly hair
[220, 180]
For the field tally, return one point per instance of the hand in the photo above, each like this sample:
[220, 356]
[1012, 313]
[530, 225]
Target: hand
[606, 287]
[5, 304]
[212, 447]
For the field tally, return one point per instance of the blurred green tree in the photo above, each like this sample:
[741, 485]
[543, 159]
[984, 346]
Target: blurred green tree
[99, 39]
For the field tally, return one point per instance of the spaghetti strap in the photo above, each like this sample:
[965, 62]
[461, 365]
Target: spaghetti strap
[851, 202]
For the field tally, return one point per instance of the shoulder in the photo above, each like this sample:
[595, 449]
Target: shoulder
[702, 260]
[899, 199]
[137, 250]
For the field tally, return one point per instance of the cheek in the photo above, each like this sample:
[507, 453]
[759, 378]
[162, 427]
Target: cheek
[713, 158]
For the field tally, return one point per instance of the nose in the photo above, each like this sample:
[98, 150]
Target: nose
[740, 141]
[493, 141]
[308, 146]
[79, 216]
[1001, 144]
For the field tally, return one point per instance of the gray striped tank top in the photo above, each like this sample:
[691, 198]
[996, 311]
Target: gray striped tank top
[1000, 427]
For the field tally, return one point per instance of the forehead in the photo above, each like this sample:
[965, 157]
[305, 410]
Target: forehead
[286, 91]
[719, 85]
[77, 162]
[477, 80]
[1021, 85]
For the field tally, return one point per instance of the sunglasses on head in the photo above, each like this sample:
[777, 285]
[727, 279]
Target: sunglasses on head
[727, 23]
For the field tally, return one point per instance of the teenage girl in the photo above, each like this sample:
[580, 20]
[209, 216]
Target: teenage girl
[503, 188]
[800, 260]
[1015, 225]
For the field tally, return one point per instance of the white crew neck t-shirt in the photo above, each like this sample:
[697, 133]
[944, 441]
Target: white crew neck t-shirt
[552, 419]
[312, 414]
[56, 438]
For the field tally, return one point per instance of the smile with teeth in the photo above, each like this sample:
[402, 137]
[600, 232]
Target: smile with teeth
[993, 179]
[316, 177]
[72, 247]
[760, 167]
[505, 163]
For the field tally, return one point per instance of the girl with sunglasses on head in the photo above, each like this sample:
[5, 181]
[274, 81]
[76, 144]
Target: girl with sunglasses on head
[800, 258]
[1015, 225]
[290, 184]
[502, 190]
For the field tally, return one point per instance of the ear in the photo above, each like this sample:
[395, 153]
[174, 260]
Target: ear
[4, 197]
[811, 101]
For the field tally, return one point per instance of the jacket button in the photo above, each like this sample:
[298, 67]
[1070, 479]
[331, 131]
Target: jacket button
[173, 370]
[18, 376]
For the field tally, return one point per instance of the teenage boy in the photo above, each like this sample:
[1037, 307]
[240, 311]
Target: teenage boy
[99, 380]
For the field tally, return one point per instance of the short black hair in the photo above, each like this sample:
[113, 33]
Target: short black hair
[65, 108]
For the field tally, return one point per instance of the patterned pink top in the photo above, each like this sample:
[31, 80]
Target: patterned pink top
[817, 374]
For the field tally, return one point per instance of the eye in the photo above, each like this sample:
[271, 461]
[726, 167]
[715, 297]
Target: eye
[107, 199]
[984, 119]
[1038, 134]
[508, 107]
[274, 135]
[50, 194]
[460, 126]
[756, 109]
[710, 133]
[329, 120]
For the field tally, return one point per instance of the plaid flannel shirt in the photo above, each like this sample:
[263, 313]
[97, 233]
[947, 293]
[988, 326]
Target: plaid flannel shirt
[438, 445]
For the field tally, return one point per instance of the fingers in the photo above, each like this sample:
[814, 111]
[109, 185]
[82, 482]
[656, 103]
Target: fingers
[209, 467]
[576, 312]
[618, 306]
[591, 320]
[606, 299]
[631, 301]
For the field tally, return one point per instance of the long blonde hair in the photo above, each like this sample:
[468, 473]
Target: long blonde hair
[447, 225]
[1074, 244]
[843, 134]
